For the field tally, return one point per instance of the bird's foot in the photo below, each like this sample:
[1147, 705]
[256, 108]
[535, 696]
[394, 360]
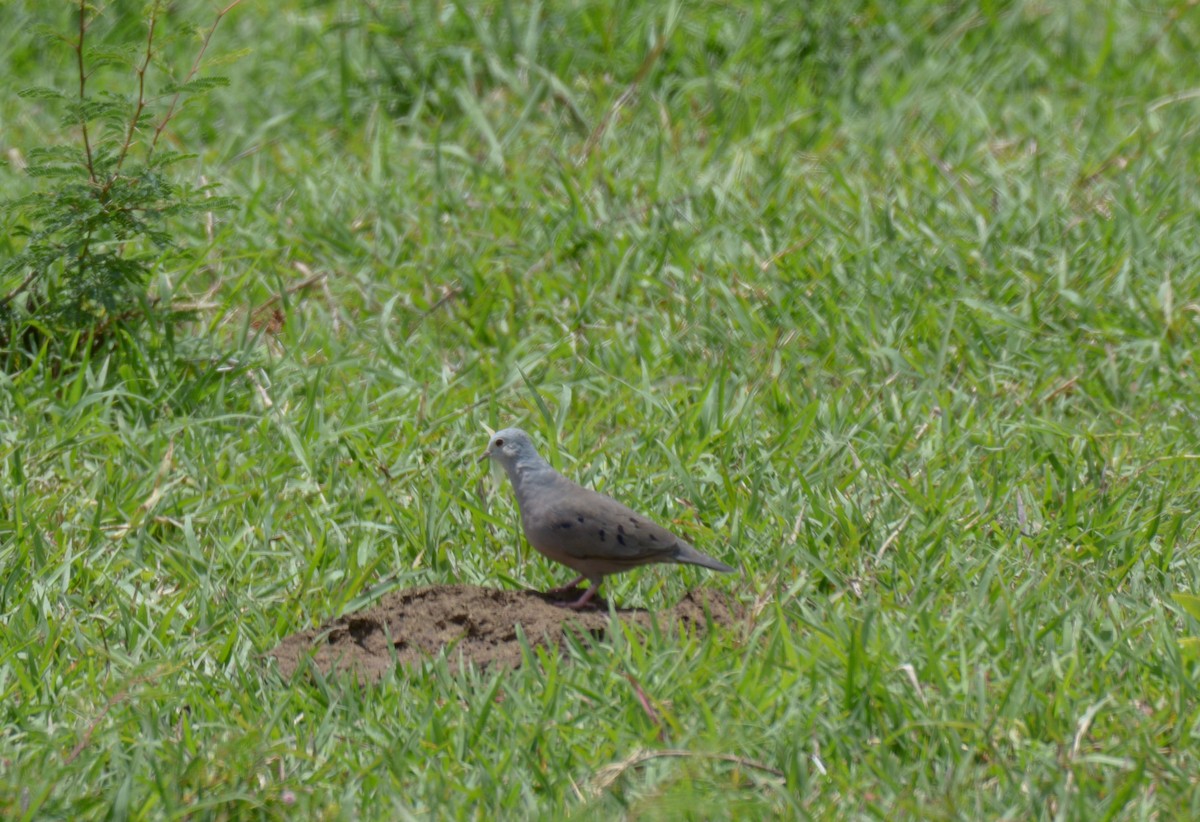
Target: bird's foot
[570, 586]
[583, 602]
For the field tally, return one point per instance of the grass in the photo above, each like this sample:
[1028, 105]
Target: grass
[892, 304]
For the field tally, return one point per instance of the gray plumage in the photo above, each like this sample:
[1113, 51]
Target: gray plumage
[586, 531]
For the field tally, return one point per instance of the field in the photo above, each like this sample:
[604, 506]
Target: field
[893, 305]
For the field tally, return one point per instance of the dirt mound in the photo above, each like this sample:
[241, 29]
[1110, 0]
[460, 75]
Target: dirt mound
[480, 624]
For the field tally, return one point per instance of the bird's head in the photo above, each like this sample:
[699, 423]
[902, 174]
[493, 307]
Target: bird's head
[509, 446]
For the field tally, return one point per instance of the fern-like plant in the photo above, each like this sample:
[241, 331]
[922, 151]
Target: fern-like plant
[102, 216]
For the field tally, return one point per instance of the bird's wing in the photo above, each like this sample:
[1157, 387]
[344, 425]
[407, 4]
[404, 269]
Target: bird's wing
[577, 521]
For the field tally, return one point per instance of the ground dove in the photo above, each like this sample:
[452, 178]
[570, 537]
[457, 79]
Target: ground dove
[588, 532]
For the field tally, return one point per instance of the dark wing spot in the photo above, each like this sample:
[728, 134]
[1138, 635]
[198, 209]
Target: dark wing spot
[602, 535]
[579, 519]
[653, 538]
[620, 529]
[564, 525]
[635, 522]
[621, 538]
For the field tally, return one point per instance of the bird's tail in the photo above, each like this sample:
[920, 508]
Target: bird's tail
[691, 556]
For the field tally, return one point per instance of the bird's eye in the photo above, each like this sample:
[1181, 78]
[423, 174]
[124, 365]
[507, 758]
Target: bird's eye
[499, 441]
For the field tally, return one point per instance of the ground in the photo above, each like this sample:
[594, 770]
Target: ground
[476, 625]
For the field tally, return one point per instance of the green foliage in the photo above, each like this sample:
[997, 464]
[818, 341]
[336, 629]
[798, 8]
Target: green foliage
[106, 213]
[893, 303]
[1189, 646]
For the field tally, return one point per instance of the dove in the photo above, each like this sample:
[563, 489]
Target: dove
[588, 532]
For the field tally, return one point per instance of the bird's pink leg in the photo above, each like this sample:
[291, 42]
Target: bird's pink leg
[561, 588]
[582, 602]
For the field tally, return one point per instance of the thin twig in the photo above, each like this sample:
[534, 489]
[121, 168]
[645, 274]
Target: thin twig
[114, 700]
[892, 537]
[16, 292]
[647, 708]
[1061, 389]
[609, 774]
[195, 305]
[636, 212]
[262, 392]
[141, 98]
[449, 293]
[628, 94]
[1173, 17]
[86, 244]
[1170, 458]
[156, 494]
[307, 282]
[87, 143]
[192, 73]
[766, 264]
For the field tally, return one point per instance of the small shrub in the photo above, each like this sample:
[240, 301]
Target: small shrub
[103, 215]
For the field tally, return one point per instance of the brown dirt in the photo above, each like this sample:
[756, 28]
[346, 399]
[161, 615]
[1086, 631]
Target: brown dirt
[478, 624]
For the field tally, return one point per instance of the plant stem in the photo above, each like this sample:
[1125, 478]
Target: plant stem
[155, 9]
[87, 145]
[192, 73]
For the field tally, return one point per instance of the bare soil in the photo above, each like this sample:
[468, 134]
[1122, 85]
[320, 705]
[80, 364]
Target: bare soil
[473, 624]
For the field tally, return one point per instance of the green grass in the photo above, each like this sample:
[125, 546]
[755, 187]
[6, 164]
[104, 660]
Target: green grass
[893, 304]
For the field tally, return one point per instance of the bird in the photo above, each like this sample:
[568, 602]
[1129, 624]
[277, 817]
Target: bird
[590, 533]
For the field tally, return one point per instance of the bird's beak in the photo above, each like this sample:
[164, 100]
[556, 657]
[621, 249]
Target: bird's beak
[486, 454]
